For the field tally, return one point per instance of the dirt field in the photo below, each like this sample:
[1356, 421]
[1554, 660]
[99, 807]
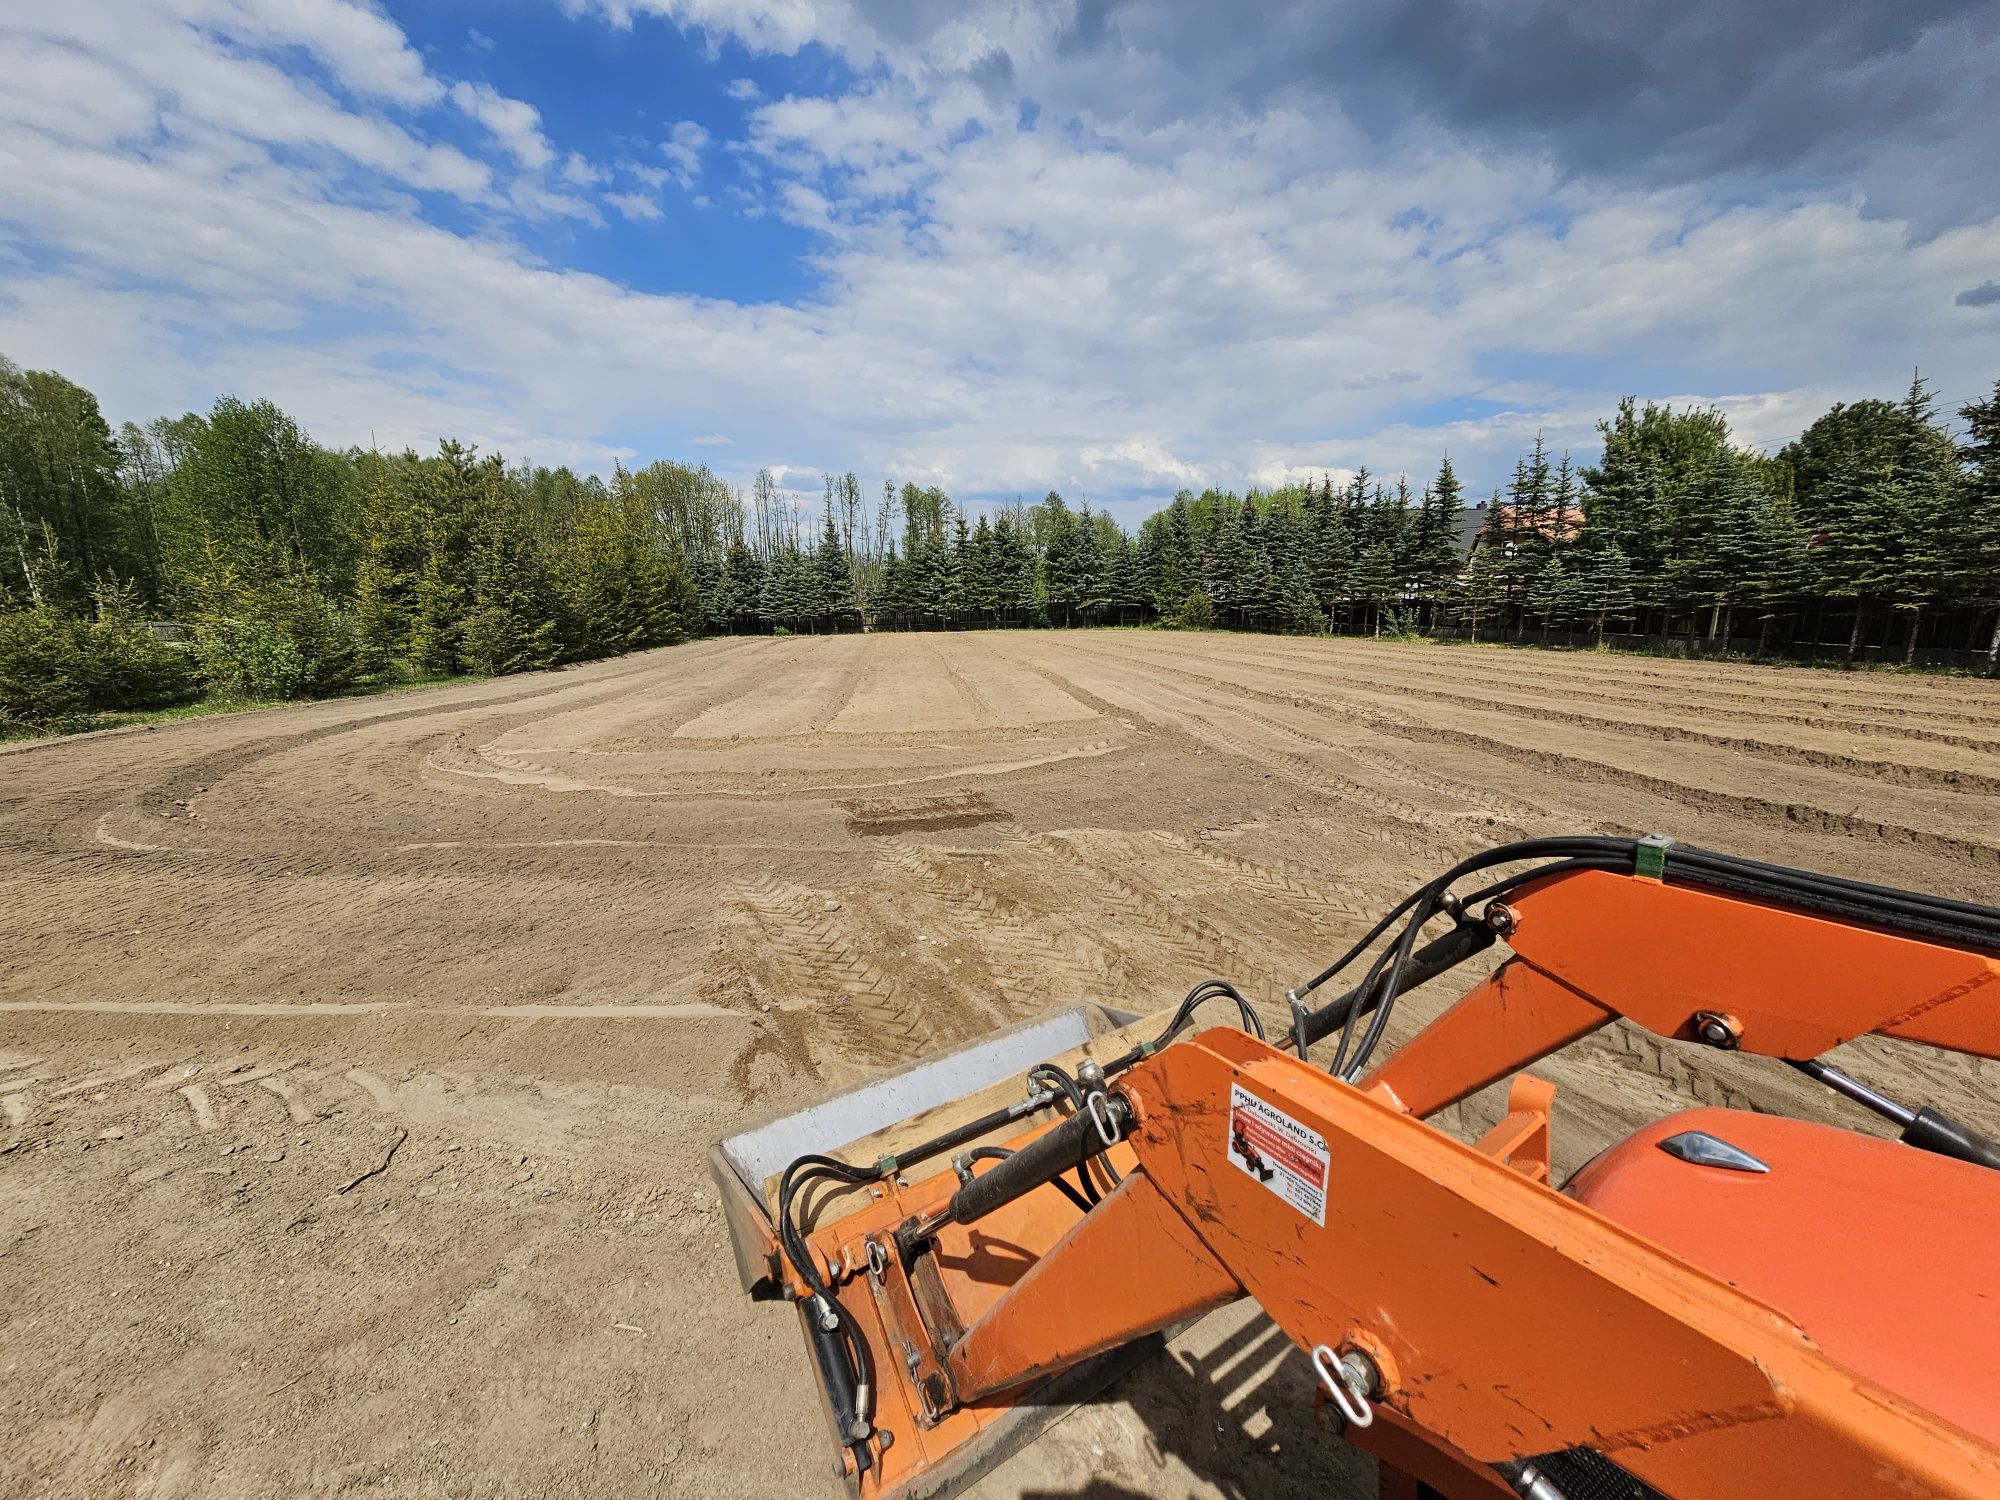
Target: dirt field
[534, 943]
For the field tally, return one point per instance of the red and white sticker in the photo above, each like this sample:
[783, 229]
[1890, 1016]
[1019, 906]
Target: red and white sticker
[1279, 1152]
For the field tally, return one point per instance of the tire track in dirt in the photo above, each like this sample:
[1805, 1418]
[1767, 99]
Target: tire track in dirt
[1327, 906]
[1751, 809]
[207, 1103]
[1679, 1067]
[1756, 708]
[874, 1020]
[1762, 810]
[1168, 712]
[1329, 665]
[201, 774]
[1822, 687]
[1030, 966]
[1168, 926]
[1598, 683]
[964, 686]
[1404, 824]
[1890, 773]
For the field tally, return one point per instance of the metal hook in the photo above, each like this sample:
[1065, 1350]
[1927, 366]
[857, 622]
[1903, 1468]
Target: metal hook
[1100, 1113]
[1333, 1375]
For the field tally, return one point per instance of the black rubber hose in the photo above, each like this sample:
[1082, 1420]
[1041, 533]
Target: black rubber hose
[1369, 990]
[1577, 847]
[1388, 987]
[1467, 940]
[1959, 923]
[1054, 1077]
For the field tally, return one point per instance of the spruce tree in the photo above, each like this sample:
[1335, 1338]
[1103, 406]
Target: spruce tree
[1479, 594]
[1975, 555]
[832, 575]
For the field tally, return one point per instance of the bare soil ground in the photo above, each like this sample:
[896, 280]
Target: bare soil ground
[357, 1060]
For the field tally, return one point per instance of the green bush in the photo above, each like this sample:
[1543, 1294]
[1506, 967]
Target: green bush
[251, 658]
[42, 676]
[1399, 623]
[293, 644]
[1197, 611]
[56, 669]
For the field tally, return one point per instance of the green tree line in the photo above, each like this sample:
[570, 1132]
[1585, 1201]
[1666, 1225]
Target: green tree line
[295, 570]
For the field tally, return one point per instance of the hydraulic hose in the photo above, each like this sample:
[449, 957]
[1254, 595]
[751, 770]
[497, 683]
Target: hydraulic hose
[1466, 940]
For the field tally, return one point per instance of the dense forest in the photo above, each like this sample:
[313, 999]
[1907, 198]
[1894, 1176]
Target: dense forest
[229, 554]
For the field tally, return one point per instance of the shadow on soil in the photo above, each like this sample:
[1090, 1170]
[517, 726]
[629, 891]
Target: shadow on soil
[1238, 1412]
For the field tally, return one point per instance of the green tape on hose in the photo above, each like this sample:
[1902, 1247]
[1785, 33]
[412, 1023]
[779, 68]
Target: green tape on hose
[1649, 859]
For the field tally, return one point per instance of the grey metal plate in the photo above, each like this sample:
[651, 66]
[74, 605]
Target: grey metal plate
[757, 1153]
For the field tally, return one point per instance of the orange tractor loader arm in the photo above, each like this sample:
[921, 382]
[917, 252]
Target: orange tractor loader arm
[1723, 1305]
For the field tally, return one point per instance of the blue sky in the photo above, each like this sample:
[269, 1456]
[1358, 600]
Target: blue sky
[1110, 248]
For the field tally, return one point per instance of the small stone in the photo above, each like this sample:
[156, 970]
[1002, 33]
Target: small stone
[228, 1150]
[270, 1158]
[113, 1134]
[833, 906]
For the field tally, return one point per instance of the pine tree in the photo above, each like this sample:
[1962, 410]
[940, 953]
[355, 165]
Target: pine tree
[1330, 552]
[1479, 595]
[510, 626]
[1434, 557]
[392, 558]
[1605, 589]
[1063, 582]
[1014, 567]
[743, 581]
[1227, 580]
[1721, 571]
[1930, 518]
[980, 576]
[1975, 556]
[832, 594]
[1375, 582]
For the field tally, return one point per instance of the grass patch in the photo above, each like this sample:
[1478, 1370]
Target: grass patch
[224, 703]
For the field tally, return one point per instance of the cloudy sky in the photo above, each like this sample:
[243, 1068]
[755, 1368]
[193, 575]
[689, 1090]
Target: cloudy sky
[1109, 247]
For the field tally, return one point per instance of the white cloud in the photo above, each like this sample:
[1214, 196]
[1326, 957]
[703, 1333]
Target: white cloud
[1112, 309]
[744, 90]
[365, 50]
[513, 123]
[683, 147]
[136, 75]
[635, 205]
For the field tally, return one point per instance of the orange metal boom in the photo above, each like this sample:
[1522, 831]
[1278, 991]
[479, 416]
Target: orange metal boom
[1466, 1312]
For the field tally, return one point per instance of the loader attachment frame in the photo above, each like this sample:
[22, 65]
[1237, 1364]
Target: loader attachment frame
[1449, 1289]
